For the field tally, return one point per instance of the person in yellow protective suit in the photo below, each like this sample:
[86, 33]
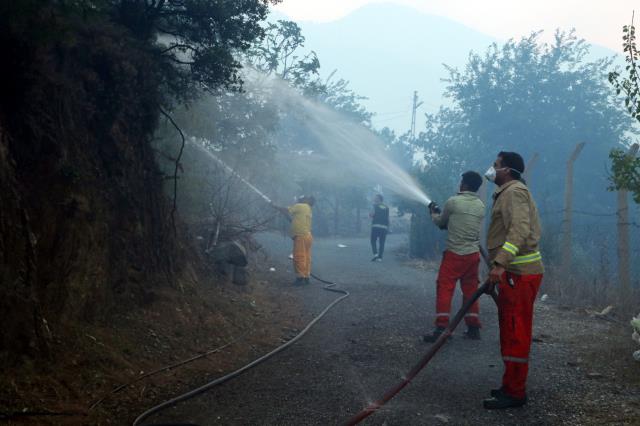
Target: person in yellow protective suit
[300, 215]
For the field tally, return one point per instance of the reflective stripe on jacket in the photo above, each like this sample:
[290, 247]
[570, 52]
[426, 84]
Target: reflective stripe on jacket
[514, 231]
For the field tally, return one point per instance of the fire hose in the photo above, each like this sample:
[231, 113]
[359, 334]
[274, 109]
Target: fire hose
[488, 288]
[372, 408]
[330, 286]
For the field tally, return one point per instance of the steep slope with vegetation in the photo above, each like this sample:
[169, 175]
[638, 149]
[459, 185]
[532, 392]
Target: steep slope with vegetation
[83, 86]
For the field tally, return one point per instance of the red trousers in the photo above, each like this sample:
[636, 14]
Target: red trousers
[455, 267]
[515, 312]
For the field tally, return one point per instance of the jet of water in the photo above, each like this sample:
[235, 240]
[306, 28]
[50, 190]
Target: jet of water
[349, 145]
[224, 165]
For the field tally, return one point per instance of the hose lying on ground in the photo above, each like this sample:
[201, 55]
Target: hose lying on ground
[166, 368]
[373, 407]
[330, 286]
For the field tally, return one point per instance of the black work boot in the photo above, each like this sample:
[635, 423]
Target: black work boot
[306, 281]
[502, 401]
[472, 333]
[299, 281]
[496, 392]
[430, 338]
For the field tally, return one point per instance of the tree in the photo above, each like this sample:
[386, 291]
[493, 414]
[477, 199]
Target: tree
[279, 54]
[528, 96]
[338, 95]
[195, 42]
[630, 85]
[626, 171]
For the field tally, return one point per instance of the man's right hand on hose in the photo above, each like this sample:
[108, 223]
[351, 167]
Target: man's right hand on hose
[495, 275]
[434, 208]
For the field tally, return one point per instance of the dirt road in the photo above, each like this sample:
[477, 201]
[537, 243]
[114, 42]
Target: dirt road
[366, 344]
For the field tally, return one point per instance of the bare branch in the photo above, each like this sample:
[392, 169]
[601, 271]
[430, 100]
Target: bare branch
[179, 46]
[177, 166]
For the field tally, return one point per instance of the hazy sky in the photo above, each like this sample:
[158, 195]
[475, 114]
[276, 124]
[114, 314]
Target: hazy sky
[599, 21]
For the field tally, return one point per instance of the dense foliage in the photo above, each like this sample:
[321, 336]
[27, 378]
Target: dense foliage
[625, 170]
[83, 83]
[529, 97]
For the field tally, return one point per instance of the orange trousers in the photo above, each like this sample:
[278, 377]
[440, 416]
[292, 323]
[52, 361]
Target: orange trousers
[302, 255]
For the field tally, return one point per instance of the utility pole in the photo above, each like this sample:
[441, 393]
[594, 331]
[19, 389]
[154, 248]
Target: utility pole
[416, 105]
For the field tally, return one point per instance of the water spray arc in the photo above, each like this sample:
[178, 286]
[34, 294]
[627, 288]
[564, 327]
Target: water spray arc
[347, 144]
[229, 170]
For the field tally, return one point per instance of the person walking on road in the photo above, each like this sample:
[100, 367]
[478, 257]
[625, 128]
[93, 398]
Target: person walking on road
[379, 227]
[516, 268]
[462, 217]
[300, 230]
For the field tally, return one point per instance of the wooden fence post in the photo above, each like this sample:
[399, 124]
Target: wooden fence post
[530, 165]
[566, 254]
[623, 234]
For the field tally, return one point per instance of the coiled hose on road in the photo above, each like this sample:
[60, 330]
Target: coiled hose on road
[330, 286]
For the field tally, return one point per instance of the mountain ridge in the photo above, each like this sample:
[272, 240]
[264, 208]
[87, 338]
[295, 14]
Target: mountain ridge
[386, 51]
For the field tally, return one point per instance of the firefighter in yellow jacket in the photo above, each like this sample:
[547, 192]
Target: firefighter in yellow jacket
[300, 231]
[512, 241]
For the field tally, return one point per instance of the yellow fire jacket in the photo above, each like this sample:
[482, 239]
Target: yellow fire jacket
[514, 231]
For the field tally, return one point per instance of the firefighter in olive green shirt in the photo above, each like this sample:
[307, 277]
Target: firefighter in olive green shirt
[462, 218]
